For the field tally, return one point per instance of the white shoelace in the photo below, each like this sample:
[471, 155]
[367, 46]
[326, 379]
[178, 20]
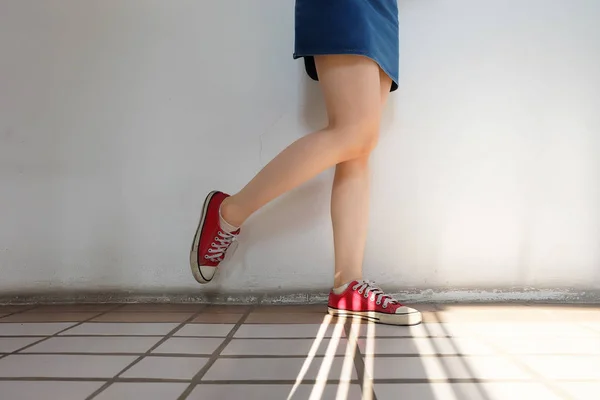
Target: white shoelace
[370, 289]
[219, 247]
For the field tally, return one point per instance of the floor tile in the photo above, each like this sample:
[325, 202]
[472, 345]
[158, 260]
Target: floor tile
[65, 344]
[142, 391]
[32, 329]
[482, 317]
[74, 308]
[27, 390]
[8, 345]
[292, 309]
[424, 307]
[205, 330]
[273, 318]
[547, 345]
[480, 329]
[464, 391]
[524, 329]
[228, 369]
[177, 345]
[275, 391]
[155, 308]
[217, 318]
[294, 347]
[284, 330]
[431, 329]
[15, 308]
[571, 313]
[50, 317]
[425, 346]
[226, 309]
[513, 391]
[566, 306]
[452, 367]
[592, 326]
[564, 367]
[580, 390]
[143, 317]
[94, 328]
[60, 366]
[490, 313]
[166, 368]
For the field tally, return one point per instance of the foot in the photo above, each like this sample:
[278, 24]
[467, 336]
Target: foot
[365, 300]
[211, 240]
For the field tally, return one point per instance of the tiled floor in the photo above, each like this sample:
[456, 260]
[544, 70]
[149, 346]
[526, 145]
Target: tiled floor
[188, 351]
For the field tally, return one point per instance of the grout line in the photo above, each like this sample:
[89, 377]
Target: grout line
[147, 353]
[359, 362]
[97, 314]
[57, 333]
[283, 356]
[21, 336]
[49, 379]
[285, 381]
[97, 335]
[165, 321]
[215, 355]
[357, 381]
[118, 354]
[91, 379]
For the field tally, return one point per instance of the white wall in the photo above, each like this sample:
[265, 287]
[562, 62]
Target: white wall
[116, 118]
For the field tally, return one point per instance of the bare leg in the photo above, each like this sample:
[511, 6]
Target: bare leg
[350, 210]
[351, 86]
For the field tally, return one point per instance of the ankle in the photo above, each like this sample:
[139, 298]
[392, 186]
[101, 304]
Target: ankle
[337, 284]
[231, 213]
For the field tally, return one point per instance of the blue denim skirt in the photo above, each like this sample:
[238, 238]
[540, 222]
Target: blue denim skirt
[362, 27]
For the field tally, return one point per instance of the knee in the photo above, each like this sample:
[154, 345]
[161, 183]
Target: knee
[360, 139]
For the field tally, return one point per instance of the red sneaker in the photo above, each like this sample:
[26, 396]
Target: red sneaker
[211, 241]
[365, 300]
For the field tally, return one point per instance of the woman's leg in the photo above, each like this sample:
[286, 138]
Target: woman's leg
[351, 86]
[350, 209]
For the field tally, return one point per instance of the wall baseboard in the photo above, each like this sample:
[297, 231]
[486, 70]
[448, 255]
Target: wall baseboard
[438, 296]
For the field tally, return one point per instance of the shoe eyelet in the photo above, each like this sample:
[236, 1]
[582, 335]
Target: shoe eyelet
[360, 292]
[366, 295]
[385, 306]
[206, 256]
[378, 303]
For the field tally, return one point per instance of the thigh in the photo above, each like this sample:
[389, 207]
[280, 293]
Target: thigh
[352, 87]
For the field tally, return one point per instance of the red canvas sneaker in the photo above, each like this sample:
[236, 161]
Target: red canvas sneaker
[211, 241]
[365, 300]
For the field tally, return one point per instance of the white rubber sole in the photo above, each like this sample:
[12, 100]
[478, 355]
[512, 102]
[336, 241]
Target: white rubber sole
[407, 319]
[194, 251]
